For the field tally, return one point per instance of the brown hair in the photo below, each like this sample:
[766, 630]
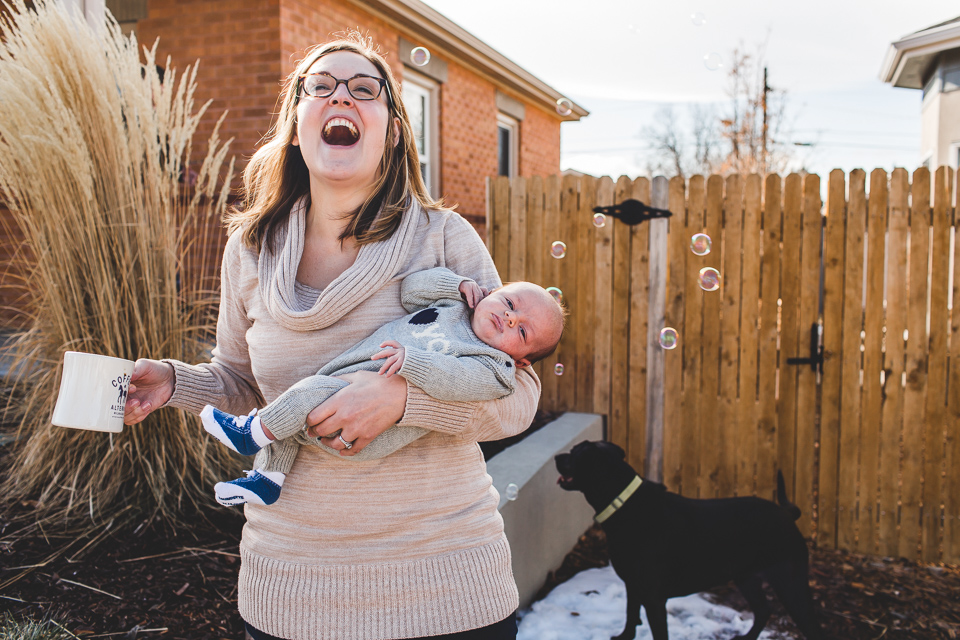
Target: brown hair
[277, 176]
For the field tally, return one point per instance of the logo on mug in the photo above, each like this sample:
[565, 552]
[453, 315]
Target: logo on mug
[120, 383]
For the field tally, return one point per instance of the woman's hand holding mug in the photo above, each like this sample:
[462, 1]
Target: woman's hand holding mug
[151, 386]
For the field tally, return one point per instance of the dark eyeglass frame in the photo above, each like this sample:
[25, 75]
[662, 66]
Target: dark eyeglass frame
[381, 81]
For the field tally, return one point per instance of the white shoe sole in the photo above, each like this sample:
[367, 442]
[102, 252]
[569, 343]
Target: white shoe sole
[230, 495]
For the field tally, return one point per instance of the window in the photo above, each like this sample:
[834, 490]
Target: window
[508, 138]
[421, 101]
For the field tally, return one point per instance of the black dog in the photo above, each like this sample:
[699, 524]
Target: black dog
[663, 545]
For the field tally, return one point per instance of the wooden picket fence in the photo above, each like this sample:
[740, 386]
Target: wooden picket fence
[869, 444]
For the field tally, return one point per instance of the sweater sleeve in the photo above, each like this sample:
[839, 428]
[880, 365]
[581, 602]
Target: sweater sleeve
[465, 254]
[227, 380]
[449, 377]
[422, 289]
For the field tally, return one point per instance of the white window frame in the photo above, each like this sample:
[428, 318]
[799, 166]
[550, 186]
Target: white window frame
[512, 125]
[422, 87]
[953, 160]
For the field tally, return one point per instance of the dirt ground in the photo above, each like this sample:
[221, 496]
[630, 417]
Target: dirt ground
[150, 581]
[183, 585]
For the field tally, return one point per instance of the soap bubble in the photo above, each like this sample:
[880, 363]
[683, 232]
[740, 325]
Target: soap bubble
[558, 369]
[709, 279]
[599, 220]
[668, 338]
[564, 107]
[558, 249]
[698, 19]
[556, 293]
[420, 56]
[712, 61]
[511, 491]
[700, 244]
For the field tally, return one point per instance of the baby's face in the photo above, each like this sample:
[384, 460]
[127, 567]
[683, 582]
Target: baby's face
[519, 319]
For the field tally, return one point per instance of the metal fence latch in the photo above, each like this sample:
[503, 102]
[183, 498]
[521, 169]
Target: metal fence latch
[816, 353]
[632, 212]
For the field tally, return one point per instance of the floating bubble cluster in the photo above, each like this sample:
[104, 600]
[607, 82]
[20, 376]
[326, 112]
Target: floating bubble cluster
[712, 61]
[564, 107]
[556, 293]
[420, 56]
[558, 369]
[698, 19]
[599, 220]
[700, 244]
[709, 279]
[668, 338]
[558, 249]
[511, 491]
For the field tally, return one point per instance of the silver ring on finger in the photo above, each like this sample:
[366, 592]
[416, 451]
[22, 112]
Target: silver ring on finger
[346, 444]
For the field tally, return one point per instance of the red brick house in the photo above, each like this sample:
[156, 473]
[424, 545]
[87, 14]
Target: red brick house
[480, 114]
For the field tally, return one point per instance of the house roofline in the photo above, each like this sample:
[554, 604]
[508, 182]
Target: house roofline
[414, 19]
[908, 57]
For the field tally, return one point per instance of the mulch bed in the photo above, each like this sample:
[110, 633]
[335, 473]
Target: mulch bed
[155, 582]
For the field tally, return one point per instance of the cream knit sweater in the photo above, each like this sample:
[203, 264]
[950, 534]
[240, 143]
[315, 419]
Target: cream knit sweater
[408, 545]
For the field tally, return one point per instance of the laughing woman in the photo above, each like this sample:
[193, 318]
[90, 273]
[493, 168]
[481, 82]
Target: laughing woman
[335, 215]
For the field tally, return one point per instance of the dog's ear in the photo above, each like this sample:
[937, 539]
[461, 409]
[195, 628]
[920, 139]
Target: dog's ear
[612, 447]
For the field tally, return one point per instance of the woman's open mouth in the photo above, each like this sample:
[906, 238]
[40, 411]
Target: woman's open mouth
[340, 132]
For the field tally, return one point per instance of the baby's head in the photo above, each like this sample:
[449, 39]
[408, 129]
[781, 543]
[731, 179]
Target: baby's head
[521, 319]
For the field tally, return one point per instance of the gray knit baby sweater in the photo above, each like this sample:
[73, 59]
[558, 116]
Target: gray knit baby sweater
[443, 356]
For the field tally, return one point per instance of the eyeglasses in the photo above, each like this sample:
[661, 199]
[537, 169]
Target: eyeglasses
[360, 86]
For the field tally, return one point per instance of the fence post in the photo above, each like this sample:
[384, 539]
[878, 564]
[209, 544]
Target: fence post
[659, 197]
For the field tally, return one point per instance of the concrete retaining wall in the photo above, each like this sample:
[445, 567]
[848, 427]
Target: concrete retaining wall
[544, 523]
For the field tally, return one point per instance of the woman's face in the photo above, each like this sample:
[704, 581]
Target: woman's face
[341, 138]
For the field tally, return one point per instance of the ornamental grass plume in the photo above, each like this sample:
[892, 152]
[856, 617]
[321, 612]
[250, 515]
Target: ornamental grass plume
[94, 153]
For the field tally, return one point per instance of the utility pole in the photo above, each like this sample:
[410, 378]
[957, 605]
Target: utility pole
[763, 104]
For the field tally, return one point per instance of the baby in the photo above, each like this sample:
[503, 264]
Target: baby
[457, 344]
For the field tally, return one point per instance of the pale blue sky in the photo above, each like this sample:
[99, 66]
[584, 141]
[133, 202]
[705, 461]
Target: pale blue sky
[623, 59]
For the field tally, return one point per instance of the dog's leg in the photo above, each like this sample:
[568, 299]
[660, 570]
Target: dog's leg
[752, 590]
[633, 613]
[657, 617]
[790, 582]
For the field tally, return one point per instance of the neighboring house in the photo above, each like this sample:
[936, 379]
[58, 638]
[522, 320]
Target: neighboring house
[930, 60]
[477, 113]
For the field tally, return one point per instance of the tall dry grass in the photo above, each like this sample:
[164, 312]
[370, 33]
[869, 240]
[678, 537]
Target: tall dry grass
[92, 149]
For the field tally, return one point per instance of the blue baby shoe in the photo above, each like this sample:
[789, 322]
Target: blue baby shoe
[256, 488]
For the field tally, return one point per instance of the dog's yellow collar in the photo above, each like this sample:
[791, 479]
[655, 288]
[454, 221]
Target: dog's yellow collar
[619, 500]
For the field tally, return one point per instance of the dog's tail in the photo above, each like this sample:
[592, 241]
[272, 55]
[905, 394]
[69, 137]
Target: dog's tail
[782, 499]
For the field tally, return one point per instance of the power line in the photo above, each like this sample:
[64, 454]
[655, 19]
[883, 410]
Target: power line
[831, 144]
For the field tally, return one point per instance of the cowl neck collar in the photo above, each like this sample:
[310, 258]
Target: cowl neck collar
[376, 263]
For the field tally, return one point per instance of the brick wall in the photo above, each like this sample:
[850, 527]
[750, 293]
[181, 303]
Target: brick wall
[238, 44]
[468, 140]
[305, 23]
[539, 143]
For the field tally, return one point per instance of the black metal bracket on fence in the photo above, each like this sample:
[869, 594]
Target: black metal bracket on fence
[632, 212]
[816, 353]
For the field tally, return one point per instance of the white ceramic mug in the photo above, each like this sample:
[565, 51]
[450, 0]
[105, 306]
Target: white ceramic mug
[93, 392]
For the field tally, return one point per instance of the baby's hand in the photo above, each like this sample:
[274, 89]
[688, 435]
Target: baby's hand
[393, 352]
[472, 292]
